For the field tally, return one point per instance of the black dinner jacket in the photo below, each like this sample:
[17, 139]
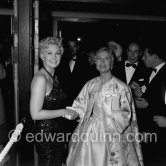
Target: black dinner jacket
[140, 73]
[155, 95]
[73, 82]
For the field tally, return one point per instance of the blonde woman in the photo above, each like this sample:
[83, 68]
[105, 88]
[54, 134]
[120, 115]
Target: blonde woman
[107, 132]
[47, 105]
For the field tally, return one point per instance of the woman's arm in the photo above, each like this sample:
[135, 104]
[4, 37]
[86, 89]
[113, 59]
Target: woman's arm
[38, 90]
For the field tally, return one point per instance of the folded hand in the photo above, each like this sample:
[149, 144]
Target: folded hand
[70, 114]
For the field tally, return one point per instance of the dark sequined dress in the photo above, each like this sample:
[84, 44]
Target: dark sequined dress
[50, 134]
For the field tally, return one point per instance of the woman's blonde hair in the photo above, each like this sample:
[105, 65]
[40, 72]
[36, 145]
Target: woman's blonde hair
[101, 49]
[111, 53]
[44, 43]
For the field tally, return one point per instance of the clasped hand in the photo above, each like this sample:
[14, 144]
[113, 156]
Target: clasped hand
[70, 114]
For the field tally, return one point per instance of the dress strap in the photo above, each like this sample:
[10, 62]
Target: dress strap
[48, 73]
[54, 77]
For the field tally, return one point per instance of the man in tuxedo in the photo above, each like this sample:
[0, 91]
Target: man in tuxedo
[132, 69]
[133, 72]
[153, 106]
[72, 71]
[72, 74]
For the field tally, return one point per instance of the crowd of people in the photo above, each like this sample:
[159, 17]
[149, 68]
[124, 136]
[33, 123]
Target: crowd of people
[101, 106]
[110, 100]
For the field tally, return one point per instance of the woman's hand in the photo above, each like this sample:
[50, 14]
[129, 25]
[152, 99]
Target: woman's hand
[160, 120]
[70, 114]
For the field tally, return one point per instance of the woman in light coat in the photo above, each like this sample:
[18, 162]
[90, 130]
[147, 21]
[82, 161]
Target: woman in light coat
[107, 134]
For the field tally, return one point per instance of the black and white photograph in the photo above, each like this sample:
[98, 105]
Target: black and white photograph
[82, 83]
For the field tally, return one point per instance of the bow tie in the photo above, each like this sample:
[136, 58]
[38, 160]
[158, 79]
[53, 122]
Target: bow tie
[129, 64]
[155, 70]
[73, 59]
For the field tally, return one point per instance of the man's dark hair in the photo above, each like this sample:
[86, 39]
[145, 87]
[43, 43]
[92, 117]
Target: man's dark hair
[157, 47]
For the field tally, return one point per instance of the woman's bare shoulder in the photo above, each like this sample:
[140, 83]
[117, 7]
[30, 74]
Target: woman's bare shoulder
[39, 79]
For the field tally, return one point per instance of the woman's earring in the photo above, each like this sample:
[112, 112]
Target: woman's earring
[111, 67]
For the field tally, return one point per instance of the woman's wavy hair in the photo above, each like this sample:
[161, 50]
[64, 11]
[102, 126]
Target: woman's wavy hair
[44, 44]
[101, 49]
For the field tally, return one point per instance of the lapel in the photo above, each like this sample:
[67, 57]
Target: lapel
[136, 73]
[125, 76]
[160, 75]
[75, 66]
[155, 93]
[157, 80]
[69, 70]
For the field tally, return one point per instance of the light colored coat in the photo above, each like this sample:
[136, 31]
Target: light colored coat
[107, 109]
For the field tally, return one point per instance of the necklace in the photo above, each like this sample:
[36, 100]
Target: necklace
[48, 72]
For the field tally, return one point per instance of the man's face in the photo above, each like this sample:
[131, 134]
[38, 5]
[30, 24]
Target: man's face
[133, 53]
[72, 45]
[148, 58]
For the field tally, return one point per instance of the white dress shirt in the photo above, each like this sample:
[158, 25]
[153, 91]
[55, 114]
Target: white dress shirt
[129, 71]
[72, 63]
[153, 74]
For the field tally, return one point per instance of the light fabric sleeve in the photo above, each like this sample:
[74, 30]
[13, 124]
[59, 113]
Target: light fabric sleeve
[80, 103]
